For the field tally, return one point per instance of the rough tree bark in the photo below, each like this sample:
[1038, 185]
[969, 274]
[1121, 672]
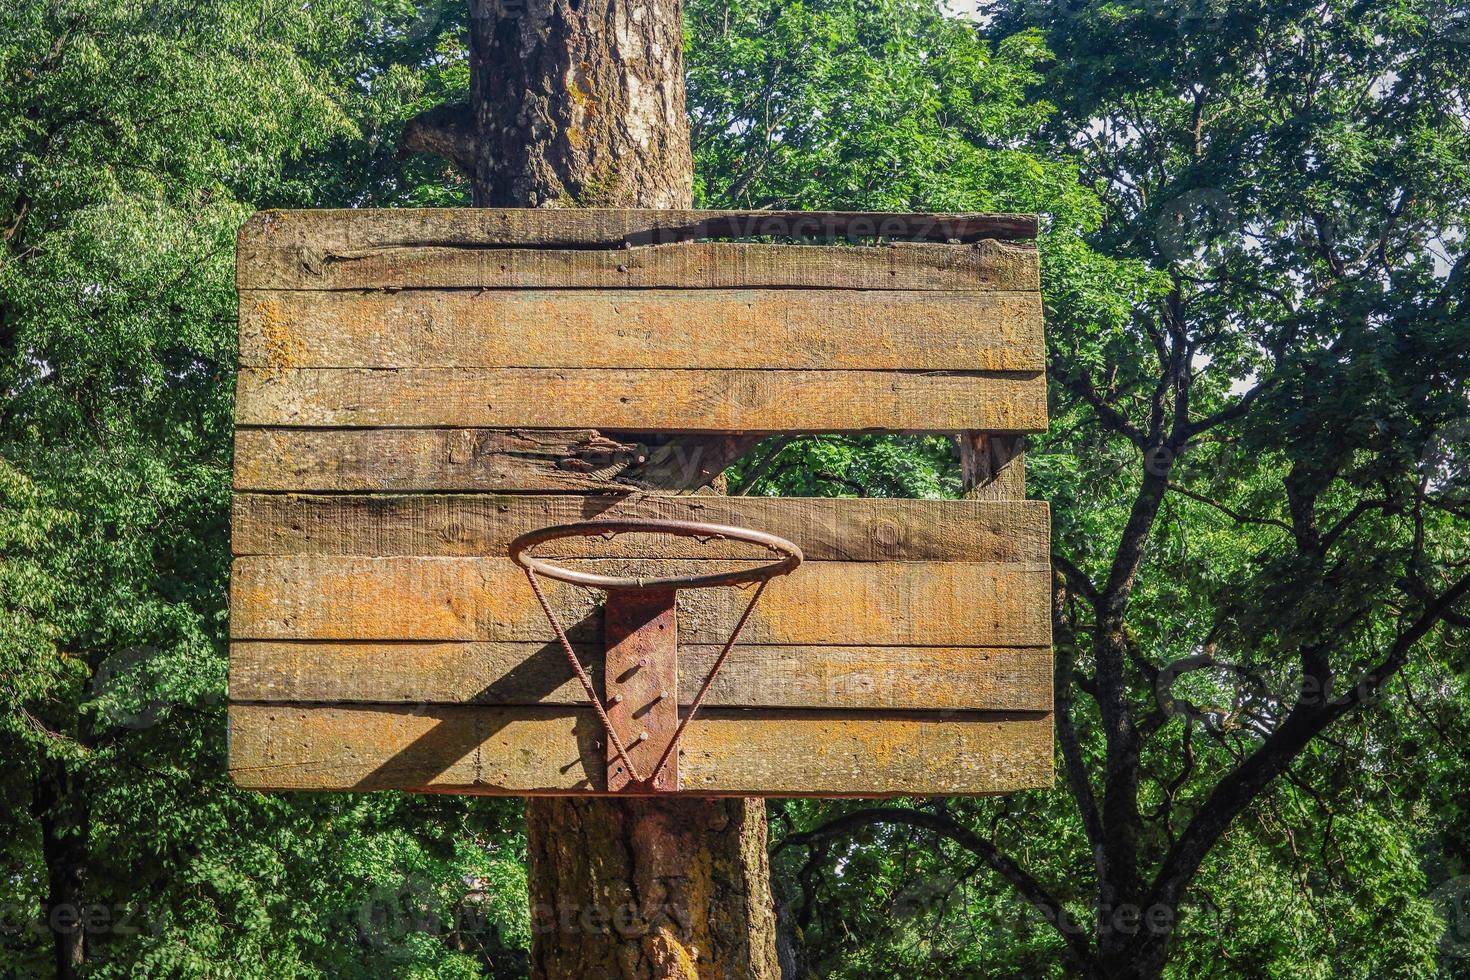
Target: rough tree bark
[580, 103]
[572, 104]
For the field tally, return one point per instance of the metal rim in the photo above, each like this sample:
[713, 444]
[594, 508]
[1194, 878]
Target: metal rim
[791, 554]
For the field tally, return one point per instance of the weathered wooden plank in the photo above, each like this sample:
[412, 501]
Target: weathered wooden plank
[695, 265]
[860, 754]
[531, 751]
[476, 525]
[605, 227]
[868, 677]
[434, 459]
[665, 401]
[823, 602]
[618, 328]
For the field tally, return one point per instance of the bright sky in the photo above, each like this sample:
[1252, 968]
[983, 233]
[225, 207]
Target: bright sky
[966, 8]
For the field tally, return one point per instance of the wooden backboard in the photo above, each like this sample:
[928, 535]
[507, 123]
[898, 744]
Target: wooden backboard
[417, 388]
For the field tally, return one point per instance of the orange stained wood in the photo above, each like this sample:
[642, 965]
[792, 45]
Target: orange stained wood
[419, 387]
[530, 751]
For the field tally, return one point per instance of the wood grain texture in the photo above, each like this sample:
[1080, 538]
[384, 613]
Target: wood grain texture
[435, 459]
[819, 677]
[604, 227]
[619, 328]
[478, 525]
[664, 401]
[828, 602]
[418, 387]
[530, 751]
[695, 265]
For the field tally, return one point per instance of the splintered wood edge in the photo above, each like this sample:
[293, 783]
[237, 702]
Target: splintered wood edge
[470, 459]
[985, 265]
[479, 459]
[608, 227]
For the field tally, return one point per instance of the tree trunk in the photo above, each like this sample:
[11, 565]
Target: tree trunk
[580, 103]
[650, 888]
[60, 807]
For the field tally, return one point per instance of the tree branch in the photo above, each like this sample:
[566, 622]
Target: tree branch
[1239, 788]
[1066, 647]
[1233, 514]
[1359, 509]
[1082, 387]
[989, 855]
[446, 131]
[1228, 414]
[761, 468]
[1076, 579]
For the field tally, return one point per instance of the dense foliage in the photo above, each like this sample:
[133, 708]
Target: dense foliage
[1254, 271]
[135, 139]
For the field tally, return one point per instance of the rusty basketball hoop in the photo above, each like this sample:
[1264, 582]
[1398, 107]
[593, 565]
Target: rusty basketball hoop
[641, 714]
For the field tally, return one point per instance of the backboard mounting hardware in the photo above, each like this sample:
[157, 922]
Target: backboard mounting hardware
[641, 632]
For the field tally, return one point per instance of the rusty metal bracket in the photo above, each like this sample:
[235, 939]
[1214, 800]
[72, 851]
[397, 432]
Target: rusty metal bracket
[640, 627]
[641, 677]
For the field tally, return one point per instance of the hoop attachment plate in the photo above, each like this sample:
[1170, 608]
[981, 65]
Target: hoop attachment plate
[640, 668]
[641, 677]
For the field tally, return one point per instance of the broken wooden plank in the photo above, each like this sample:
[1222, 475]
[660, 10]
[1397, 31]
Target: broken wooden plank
[477, 525]
[368, 228]
[695, 265]
[505, 673]
[437, 459]
[823, 602]
[617, 328]
[532, 751]
[665, 401]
